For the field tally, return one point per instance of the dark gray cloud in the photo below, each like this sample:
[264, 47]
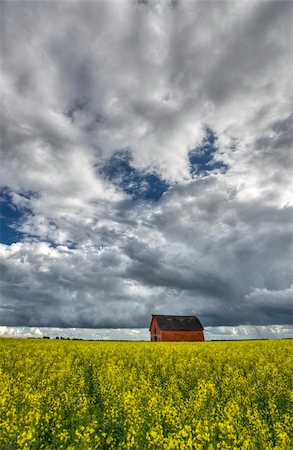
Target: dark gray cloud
[82, 81]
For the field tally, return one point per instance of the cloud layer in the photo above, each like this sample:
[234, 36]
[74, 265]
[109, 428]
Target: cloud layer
[105, 244]
[143, 334]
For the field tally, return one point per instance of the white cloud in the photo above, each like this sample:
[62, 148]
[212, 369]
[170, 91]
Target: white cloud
[142, 334]
[82, 80]
[155, 74]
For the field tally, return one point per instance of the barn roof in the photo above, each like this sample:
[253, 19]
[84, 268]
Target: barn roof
[186, 323]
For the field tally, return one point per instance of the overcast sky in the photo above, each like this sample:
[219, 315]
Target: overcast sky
[146, 162]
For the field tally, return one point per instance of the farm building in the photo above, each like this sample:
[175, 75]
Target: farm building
[176, 328]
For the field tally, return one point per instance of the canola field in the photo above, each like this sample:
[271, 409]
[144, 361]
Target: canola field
[120, 395]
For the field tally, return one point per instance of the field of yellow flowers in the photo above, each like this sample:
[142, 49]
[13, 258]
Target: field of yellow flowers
[112, 395]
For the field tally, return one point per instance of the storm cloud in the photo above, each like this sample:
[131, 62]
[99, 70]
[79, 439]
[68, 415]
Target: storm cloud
[146, 151]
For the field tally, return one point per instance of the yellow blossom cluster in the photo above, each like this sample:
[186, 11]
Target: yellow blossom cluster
[143, 395]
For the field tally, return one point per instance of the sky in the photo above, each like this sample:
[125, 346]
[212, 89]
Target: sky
[146, 163]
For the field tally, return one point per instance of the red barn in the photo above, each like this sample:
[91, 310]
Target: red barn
[176, 328]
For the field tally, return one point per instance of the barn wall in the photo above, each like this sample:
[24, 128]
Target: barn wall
[155, 331]
[171, 335]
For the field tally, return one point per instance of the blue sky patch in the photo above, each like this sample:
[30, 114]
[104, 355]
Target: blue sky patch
[10, 217]
[140, 185]
[201, 159]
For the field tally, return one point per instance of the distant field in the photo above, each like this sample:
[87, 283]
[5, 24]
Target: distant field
[90, 395]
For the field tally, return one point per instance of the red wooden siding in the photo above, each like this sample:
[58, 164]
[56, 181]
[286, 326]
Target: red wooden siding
[156, 333]
[173, 335]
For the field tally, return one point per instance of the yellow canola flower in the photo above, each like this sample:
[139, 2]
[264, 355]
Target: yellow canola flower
[104, 395]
